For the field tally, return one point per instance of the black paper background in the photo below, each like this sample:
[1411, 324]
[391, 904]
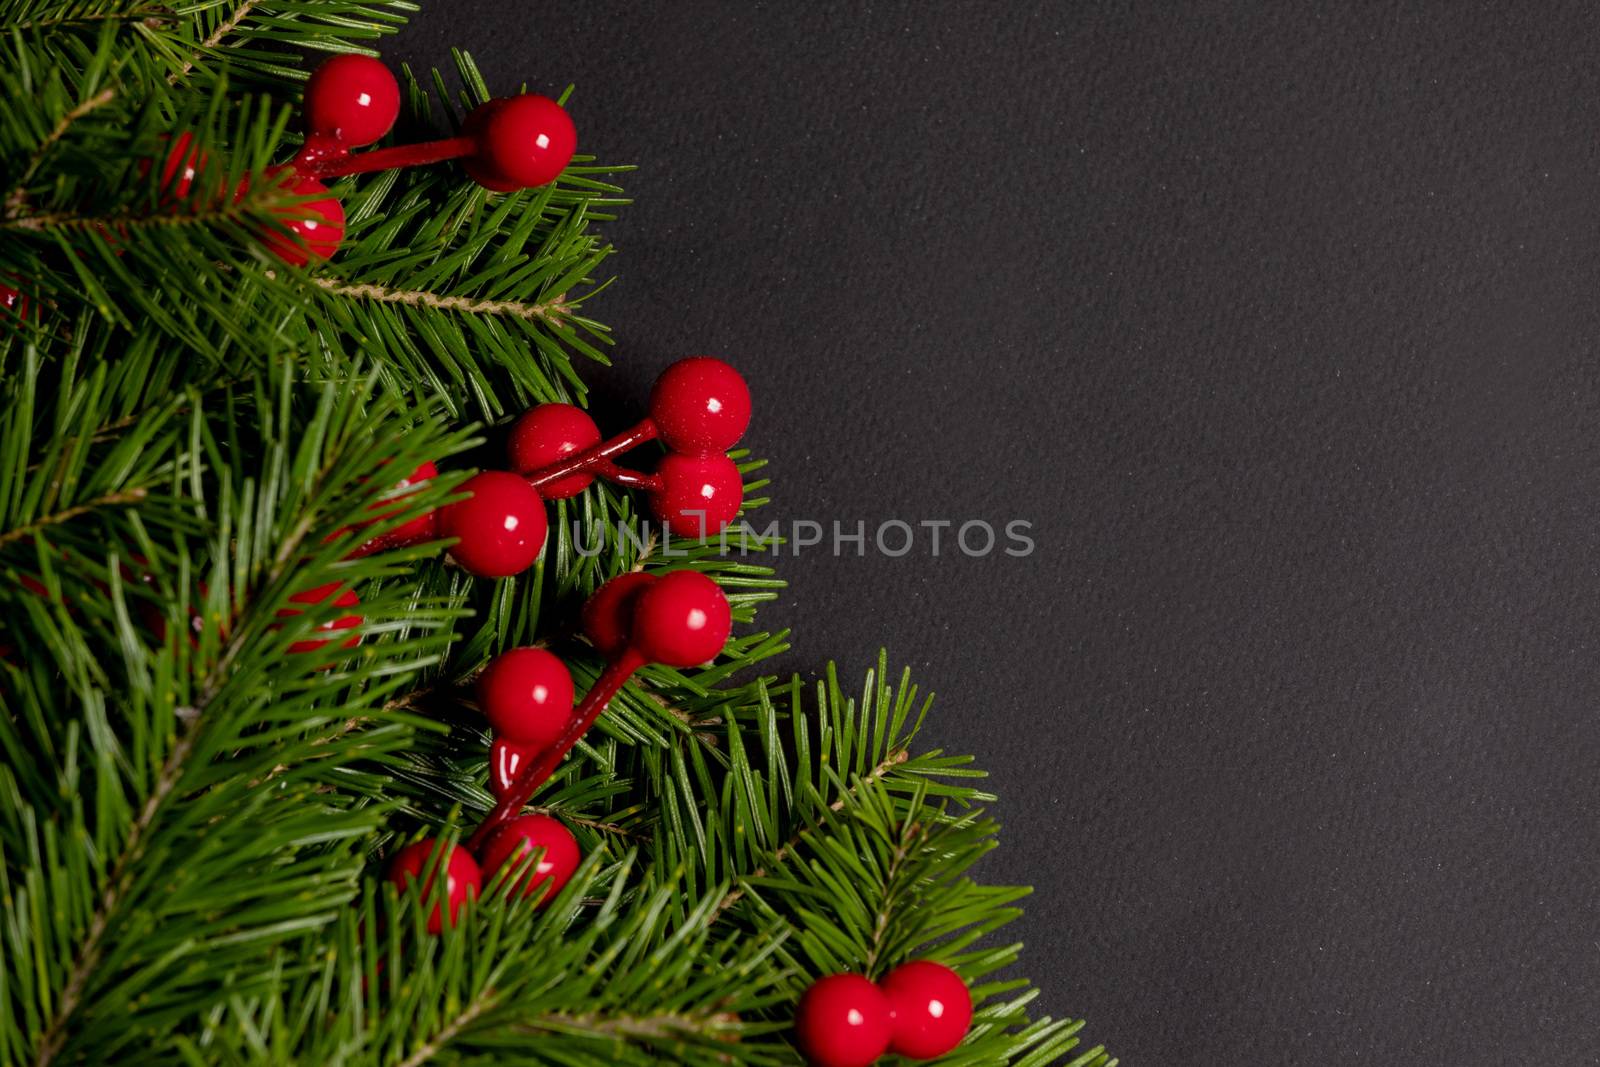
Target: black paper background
[1279, 322]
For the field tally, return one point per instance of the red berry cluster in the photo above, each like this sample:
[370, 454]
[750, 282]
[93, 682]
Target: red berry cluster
[919, 1010]
[680, 619]
[699, 409]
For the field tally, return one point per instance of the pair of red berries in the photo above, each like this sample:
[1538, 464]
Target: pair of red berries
[513, 843]
[919, 1010]
[680, 619]
[699, 408]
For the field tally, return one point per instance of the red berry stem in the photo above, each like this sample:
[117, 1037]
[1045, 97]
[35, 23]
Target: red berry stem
[623, 476]
[608, 685]
[590, 458]
[405, 155]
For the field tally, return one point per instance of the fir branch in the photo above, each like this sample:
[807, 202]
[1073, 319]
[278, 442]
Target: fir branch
[227, 26]
[151, 16]
[447, 1033]
[88, 957]
[17, 200]
[544, 311]
[894, 760]
[122, 498]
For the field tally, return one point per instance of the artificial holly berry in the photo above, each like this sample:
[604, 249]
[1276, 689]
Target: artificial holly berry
[526, 833]
[930, 1009]
[526, 694]
[697, 496]
[179, 168]
[682, 619]
[463, 879]
[352, 99]
[500, 527]
[700, 405]
[842, 1021]
[506, 761]
[345, 599]
[12, 300]
[608, 614]
[527, 140]
[314, 227]
[544, 435]
[411, 532]
[478, 167]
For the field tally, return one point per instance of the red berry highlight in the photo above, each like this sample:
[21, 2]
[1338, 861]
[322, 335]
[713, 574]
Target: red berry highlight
[546, 434]
[842, 1021]
[700, 405]
[526, 694]
[930, 1009]
[527, 140]
[353, 99]
[500, 527]
[462, 877]
[506, 761]
[519, 837]
[682, 620]
[698, 495]
[608, 614]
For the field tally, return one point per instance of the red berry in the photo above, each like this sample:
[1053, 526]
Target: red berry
[523, 835]
[698, 495]
[546, 434]
[13, 301]
[414, 531]
[314, 227]
[681, 619]
[346, 599]
[500, 527]
[527, 139]
[700, 405]
[608, 614]
[930, 1009]
[526, 694]
[506, 761]
[842, 1021]
[478, 167]
[462, 877]
[182, 163]
[352, 98]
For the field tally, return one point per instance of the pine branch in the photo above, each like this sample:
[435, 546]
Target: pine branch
[214, 39]
[545, 311]
[118, 499]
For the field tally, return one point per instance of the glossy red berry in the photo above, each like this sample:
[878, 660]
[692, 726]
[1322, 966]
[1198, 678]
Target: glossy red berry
[527, 140]
[526, 694]
[462, 877]
[698, 495]
[521, 836]
[681, 619]
[546, 434]
[506, 761]
[700, 405]
[413, 531]
[315, 227]
[930, 1009]
[345, 599]
[354, 99]
[478, 166]
[500, 526]
[608, 614]
[13, 301]
[842, 1021]
[179, 167]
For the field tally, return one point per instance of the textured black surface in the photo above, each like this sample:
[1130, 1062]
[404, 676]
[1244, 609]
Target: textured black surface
[1281, 327]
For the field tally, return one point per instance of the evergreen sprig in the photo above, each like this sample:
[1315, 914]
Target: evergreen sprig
[193, 817]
